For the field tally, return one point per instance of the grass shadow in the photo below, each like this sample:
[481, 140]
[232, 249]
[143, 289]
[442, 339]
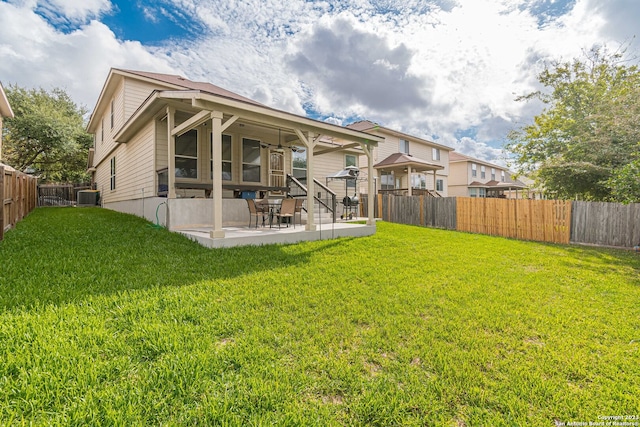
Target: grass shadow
[60, 255]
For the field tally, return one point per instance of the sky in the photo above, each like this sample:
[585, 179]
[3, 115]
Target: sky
[444, 70]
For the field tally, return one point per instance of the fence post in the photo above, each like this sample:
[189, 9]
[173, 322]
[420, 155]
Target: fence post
[1, 202]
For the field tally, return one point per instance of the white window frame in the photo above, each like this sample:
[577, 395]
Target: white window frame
[188, 157]
[224, 161]
[439, 184]
[493, 174]
[112, 176]
[502, 176]
[474, 170]
[253, 164]
[403, 146]
[483, 172]
[435, 154]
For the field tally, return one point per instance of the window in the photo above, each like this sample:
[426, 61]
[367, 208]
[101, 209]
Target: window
[473, 192]
[226, 157]
[502, 176]
[299, 166]
[404, 146]
[482, 172]
[386, 181]
[482, 192]
[187, 155]
[439, 185]
[474, 171]
[418, 181]
[251, 160]
[435, 153]
[102, 131]
[493, 174]
[350, 160]
[112, 114]
[113, 173]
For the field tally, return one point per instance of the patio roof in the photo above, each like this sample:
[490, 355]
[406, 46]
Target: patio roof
[402, 160]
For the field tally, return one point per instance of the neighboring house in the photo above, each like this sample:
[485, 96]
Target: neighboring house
[5, 111]
[470, 177]
[161, 138]
[405, 164]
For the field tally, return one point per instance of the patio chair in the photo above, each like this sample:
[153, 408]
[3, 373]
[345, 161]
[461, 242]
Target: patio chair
[255, 211]
[287, 210]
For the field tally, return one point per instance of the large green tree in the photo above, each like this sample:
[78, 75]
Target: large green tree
[47, 136]
[581, 144]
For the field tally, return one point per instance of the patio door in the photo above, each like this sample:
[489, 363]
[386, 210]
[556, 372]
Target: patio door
[276, 168]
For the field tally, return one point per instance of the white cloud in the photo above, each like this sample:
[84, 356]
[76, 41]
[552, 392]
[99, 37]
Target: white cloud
[429, 68]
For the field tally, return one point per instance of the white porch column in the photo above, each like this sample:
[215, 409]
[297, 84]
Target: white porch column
[409, 192]
[309, 142]
[371, 190]
[216, 157]
[435, 188]
[171, 172]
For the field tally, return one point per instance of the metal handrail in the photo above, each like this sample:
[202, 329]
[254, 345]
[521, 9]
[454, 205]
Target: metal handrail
[330, 193]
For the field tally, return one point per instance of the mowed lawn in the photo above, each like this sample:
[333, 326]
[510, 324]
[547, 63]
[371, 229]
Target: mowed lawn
[106, 320]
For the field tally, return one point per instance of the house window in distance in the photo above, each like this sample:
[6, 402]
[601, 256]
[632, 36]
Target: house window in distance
[350, 160]
[386, 181]
[404, 146]
[251, 160]
[435, 153]
[493, 174]
[474, 171]
[226, 157]
[187, 155]
[473, 192]
[482, 192]
[502, 176]
[299, 166]
[483, 173]
[113, 173]
[439, 185]
[112, 114]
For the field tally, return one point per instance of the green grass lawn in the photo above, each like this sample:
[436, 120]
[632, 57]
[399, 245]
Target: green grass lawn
[107, 321]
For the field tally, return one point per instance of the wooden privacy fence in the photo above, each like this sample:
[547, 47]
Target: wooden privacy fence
[18, 195]
[426, 211]
[606, 224]
[540, 220]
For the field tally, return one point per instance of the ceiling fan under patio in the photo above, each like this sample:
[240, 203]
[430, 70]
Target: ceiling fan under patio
[280, 146]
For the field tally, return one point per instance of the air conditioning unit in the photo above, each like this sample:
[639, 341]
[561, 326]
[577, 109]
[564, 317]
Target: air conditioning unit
[88, 198]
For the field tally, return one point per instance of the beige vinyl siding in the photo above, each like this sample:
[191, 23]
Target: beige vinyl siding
[107, 145]
[134, 169]
[136, 92]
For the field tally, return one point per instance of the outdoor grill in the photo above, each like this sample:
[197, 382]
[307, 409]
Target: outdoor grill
[350, 206]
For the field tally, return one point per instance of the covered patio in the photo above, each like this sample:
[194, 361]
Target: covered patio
[397, 171]
[209, 207]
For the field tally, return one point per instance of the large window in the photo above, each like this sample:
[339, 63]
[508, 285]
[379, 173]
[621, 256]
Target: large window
[386, 181]
[251, 160]
[113, 173]
[418, 180]
[404, 146]
[435, 154]
[474, 171]
[187, 155]
[226, 157]
[299, 161]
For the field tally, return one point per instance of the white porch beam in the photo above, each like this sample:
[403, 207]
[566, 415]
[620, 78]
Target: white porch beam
[171, 172]
[342, 147]
[229, 122]
[194, 121]
[216, 156]
[410, 182]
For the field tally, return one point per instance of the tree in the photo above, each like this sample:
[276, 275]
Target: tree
[587, 133]
[47, 136]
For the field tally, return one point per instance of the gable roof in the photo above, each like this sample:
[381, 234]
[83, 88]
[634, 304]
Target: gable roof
[181, 82]
[369, 126]
[5, 108]
[398, 160]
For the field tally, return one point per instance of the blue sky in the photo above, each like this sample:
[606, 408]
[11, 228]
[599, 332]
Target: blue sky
[447, 70]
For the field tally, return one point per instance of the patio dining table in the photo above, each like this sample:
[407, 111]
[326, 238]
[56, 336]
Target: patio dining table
[273, 205]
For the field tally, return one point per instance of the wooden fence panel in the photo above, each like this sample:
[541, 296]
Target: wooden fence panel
[18, 194]
[606, 224]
